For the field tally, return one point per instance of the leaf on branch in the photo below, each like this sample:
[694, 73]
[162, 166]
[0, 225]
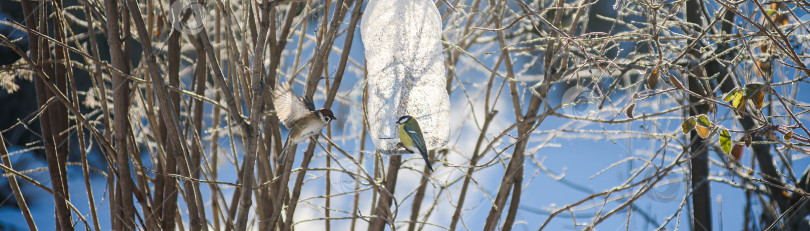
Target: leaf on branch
[754, 91]
[737, 152]
[725, 140]
[704, 126]
[788, 136]
[676, 82]
[703, 120]
[703, 132]
[737, 98]
[739, 102]
[652, 80]
[752, 88]
[730, 95]
[688, 124]
[629, 111]
[763, 67]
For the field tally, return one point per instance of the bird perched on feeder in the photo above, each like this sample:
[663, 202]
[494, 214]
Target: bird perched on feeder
[298, 114]
[410, 137]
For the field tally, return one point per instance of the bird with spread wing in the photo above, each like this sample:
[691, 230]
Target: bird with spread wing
[299, 116]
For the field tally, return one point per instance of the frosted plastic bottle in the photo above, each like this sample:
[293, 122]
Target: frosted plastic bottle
[402, 41]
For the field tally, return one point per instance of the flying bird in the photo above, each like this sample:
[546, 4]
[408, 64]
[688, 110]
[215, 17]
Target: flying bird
[298, 114]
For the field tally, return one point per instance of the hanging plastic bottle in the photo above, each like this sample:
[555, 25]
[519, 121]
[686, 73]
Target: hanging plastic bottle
[402, 41]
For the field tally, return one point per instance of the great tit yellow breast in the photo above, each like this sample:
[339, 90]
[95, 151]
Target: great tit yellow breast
[406, 139]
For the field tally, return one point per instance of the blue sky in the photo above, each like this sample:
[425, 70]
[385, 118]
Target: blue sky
[573, 163]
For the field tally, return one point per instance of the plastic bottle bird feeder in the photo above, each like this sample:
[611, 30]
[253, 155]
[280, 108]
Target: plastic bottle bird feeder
[402, 40]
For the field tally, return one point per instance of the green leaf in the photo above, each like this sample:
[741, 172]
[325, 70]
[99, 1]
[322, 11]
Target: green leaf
[725, 140]
[703, 120]
[704, 126]
[688, 125]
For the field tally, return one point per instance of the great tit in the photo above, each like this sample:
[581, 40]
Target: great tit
[410, 136]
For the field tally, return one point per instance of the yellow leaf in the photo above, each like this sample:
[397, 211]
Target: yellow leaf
[736, 97]
[730, 95]
[702, 131]
[789, 136]
[725, 141]
[704, 126]
[739, 103]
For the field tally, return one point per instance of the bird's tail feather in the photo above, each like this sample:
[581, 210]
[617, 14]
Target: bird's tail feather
[424, 156]
[282, 158]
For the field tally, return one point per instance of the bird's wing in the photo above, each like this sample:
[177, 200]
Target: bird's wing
[308, 102]
[288, 107]
[415, 133]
